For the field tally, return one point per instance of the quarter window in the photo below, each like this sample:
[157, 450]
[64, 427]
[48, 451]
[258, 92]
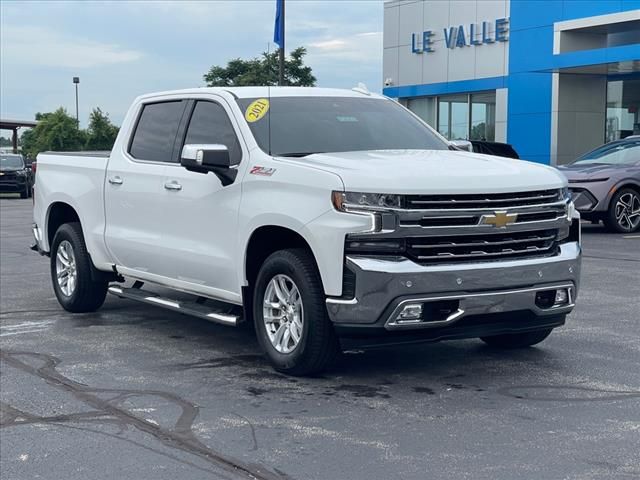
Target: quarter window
[156, 131]
[210, 124]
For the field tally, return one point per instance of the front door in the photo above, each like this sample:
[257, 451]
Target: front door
[202, 239]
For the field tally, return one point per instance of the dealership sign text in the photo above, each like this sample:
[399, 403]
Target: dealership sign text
[462, 36]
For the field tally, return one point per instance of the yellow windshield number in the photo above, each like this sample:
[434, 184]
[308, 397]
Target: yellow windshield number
[256, 110]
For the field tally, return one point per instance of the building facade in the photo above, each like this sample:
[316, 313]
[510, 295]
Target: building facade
[554, 78]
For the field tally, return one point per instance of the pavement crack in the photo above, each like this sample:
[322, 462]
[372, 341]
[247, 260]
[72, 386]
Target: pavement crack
[180, 436]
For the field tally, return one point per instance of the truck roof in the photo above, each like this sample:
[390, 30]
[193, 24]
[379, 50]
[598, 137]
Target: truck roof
[254, 92]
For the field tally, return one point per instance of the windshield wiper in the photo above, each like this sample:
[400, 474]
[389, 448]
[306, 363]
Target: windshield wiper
[296, 154]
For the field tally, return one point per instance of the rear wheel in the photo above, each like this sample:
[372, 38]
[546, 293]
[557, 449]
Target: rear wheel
[624, 211]
[517, 340]
[71, 272]
[290, 316]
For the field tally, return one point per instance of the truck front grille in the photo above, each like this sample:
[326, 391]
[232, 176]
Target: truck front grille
[479, 248]
[449, 229]
[483, 201]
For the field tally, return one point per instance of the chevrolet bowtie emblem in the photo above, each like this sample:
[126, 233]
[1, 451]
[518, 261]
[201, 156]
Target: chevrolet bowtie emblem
[499, 219]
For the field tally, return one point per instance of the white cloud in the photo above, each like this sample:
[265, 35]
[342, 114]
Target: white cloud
[360, 47]
[39, 46]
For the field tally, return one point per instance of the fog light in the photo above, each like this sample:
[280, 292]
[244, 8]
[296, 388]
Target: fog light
[410, 312]
[562, 297]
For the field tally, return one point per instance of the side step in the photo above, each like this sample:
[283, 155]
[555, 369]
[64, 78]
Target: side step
[213, 311]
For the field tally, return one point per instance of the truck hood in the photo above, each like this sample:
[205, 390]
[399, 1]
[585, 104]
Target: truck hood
[435, 172]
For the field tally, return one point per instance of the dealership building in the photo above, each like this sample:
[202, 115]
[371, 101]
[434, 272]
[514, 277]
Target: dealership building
[554, 78]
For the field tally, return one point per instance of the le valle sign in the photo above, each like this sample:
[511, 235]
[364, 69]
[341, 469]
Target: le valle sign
[462, 36]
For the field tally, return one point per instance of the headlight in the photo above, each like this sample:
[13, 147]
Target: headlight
[21, 173]
[377, 206]
[355, 201]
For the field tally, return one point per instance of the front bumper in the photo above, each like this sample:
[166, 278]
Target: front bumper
[382, 286]
[13, 186]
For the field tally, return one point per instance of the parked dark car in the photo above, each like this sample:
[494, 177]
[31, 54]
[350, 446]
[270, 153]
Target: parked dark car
[494, 148]
[15, 176]
[605, 184]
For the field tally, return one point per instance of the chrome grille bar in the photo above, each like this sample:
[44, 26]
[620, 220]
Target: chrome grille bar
[475, 201]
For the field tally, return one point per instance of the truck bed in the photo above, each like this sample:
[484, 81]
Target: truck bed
[76, 179]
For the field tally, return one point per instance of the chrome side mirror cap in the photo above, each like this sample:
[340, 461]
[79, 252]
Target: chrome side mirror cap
[205, 158]
[465, 145]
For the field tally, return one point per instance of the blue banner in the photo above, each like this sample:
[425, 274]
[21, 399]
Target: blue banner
[278, 29]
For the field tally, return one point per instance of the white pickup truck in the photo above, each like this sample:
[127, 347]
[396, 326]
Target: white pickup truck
[319, 215]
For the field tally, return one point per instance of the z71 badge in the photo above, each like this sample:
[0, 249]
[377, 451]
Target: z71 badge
[264, 171]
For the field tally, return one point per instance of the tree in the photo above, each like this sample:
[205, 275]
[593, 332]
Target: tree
[101, 132]
[55, 131]
[262, 71]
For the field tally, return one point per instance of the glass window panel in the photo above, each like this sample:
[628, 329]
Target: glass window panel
[443, 117]
[425, 108]
[483, 116]
[623, 107]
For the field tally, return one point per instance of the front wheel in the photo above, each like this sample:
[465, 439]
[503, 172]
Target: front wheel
[290, 315]
[517, 340]
[624, 212]
[71, 272]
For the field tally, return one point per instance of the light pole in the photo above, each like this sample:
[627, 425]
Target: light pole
[76, 81]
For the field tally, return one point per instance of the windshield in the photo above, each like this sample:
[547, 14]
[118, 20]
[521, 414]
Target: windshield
[301, 126]
[11, 161]
[622, 153]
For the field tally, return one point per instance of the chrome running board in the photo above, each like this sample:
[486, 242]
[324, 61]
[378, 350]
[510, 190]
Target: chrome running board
[214, 311]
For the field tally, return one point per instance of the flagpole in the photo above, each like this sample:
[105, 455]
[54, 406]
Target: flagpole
[281, 52]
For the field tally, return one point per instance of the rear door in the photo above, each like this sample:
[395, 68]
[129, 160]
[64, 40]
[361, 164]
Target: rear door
[135, 194]
[202, 239]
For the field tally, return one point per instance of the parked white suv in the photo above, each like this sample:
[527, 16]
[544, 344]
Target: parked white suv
[319, 215]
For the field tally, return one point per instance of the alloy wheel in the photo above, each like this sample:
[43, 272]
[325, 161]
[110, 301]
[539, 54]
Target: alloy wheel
[66, 272]
[627, 211]
[283, 314]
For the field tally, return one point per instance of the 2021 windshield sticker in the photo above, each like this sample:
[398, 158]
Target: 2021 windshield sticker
[256, 110]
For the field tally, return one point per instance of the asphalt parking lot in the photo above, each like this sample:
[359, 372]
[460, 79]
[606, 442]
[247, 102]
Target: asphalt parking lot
[137, 392]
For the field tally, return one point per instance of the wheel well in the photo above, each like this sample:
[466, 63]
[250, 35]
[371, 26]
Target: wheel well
[59, 214]
[267, 240]
[632, 186]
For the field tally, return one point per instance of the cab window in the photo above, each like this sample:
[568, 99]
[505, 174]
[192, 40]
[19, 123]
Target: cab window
[210, 124]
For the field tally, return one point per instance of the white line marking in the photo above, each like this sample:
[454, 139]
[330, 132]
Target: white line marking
[28, 327]
[631, 236]
[35, 330]
[27, 324]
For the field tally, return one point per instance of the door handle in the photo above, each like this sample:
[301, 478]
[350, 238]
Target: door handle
[115, 180]
[172, 185]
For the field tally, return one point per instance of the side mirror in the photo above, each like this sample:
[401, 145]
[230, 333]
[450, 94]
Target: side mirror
[205, 158]
[465, 145]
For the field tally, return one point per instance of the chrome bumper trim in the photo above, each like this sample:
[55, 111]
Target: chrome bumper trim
[383, 283]
[485, 303]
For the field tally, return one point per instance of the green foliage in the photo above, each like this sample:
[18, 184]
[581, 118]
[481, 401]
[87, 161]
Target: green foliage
[58, 131]
[101, 133]
[262, 71]
[5, 142]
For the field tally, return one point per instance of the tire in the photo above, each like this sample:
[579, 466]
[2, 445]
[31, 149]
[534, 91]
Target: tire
[318, 347]
[84, 294]
[25, 192]
[517, 340]
[624, 203]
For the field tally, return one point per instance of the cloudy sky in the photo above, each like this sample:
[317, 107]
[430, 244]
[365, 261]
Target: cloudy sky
[121, 49]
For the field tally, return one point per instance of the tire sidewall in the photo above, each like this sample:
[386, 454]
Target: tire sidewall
[274, 265]
[61, 235]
